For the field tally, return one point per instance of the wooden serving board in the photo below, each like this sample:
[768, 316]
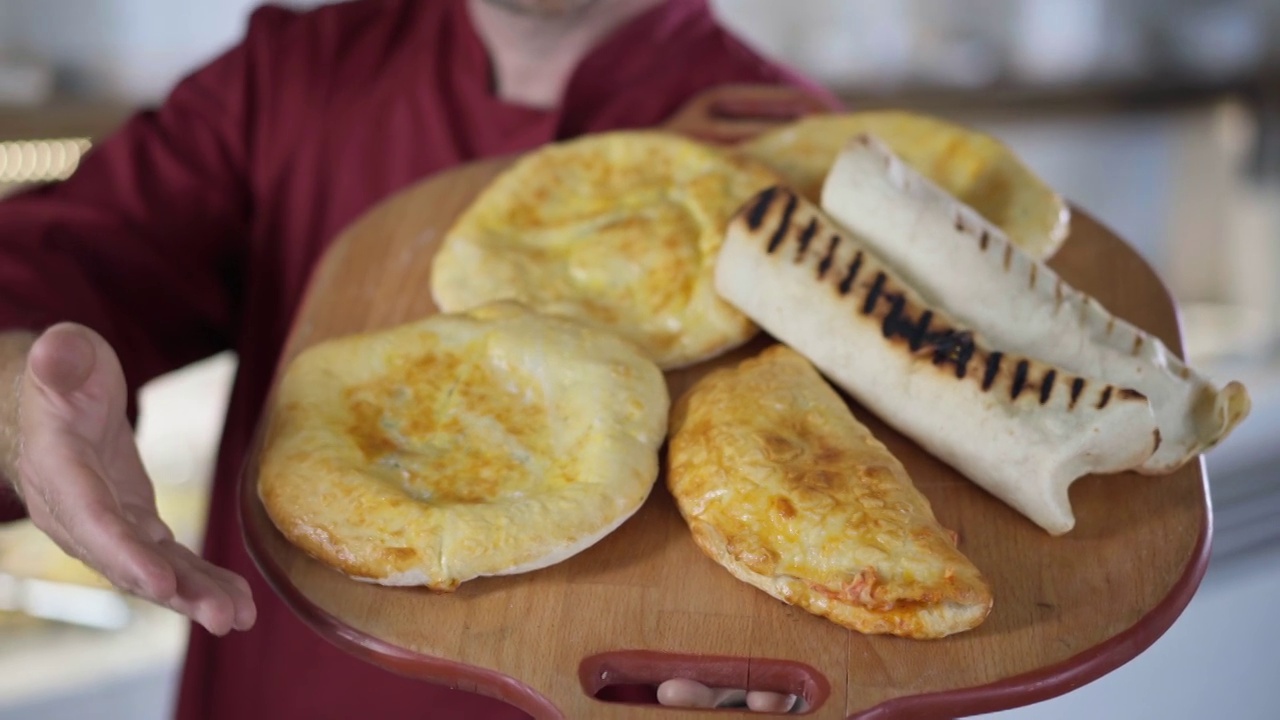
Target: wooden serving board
[645, 604]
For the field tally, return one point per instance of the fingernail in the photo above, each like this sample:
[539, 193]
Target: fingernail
[63, 359]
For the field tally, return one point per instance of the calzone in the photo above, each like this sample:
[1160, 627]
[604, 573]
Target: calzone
[781, 485]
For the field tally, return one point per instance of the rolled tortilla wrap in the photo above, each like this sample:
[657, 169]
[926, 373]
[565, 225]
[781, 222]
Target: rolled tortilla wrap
[1019, 428]
[959, 261]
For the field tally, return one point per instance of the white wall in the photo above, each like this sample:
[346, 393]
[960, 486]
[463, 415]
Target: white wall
[134, 49]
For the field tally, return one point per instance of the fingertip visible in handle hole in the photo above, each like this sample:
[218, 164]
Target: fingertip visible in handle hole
[633, 676]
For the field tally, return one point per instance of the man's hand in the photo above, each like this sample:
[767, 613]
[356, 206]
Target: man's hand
[690, 694]
[732, 113]
[80, 475]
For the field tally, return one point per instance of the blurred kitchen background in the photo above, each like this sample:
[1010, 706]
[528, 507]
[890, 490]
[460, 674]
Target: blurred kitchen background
[1160, 117]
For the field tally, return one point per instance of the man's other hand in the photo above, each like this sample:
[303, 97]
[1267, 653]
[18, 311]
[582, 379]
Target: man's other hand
[733, 113]
[80, 475]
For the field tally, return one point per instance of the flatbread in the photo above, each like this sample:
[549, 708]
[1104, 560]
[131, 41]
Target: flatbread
[1019, 428]
[487, 443]
[959, 261]
[619, 229]
[781, 485]
[973, 166]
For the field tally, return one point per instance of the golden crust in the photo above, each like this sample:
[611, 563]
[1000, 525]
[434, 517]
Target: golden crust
[618, 228]
[485, 443]
[977, 169]
[782, 486]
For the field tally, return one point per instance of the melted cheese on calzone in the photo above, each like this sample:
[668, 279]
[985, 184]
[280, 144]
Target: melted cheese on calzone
[781, 485]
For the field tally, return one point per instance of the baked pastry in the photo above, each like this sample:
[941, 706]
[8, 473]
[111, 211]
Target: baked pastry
[619, 229]
[973, 166]
[492, 442]
[1021, 429]
[961, 262]
[781, 485]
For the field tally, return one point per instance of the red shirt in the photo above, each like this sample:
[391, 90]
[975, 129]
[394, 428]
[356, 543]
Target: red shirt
[194, 228]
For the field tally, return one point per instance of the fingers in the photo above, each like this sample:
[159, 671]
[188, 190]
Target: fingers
[85, 485]
[730, 131]
[769, 702]
[682, 692]
[68, 499]
[142, 558]
[217, 599]
[130, 545]
[146, 521]
[732, 113]
[777, 102]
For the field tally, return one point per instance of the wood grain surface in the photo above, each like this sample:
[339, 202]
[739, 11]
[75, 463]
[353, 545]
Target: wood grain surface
[1067, 610]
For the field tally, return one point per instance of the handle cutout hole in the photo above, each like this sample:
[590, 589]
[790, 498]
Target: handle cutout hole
[633, 676]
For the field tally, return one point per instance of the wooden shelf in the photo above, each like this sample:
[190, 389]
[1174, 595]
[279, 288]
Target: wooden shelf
[61, 119]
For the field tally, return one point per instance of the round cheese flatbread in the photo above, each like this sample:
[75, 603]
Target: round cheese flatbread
[620, 229]
[977, 169]
[781, 485]
[487, 443]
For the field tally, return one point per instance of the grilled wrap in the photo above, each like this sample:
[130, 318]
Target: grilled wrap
[1021, 429]
[958, 260]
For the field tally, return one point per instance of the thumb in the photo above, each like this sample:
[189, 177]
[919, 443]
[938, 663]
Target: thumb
[62, 359]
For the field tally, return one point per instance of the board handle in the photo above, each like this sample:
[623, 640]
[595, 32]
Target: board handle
[600, 673]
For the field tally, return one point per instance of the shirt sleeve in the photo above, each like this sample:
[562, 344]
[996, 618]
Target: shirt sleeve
[146, 243]
[141, 243]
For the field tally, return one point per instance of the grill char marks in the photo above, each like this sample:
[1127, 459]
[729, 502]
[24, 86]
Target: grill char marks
[1019, 379]
[880, 298]
[1046, 385]
[993, 368]
[847, 283]
[784, 225]
[806, 236]
[873, 294]
[827, 259]
[897, 324]
[950, 346]
[755, 216]
[943, 346]
[1106, 397]
[1077, 386]
[877, 299]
